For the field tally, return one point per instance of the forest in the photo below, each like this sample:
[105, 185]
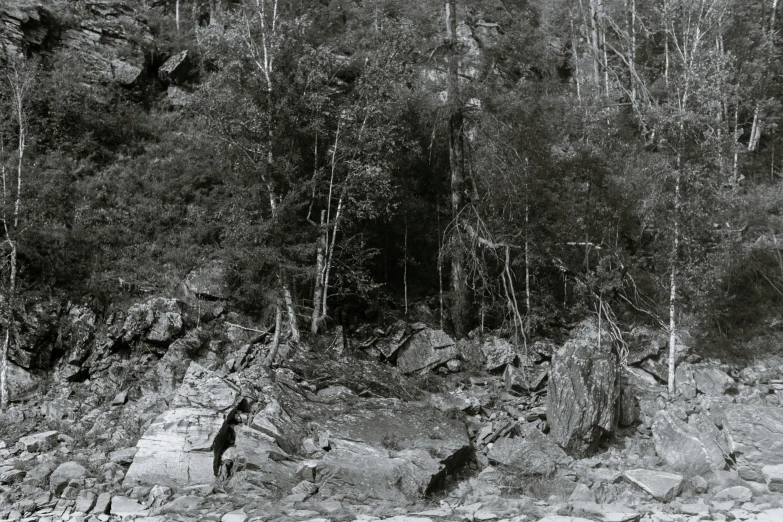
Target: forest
[510, 165]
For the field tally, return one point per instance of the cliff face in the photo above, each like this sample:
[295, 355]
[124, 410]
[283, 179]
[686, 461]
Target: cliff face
[107, 35]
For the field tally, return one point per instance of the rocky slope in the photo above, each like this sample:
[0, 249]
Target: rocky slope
[162, 410]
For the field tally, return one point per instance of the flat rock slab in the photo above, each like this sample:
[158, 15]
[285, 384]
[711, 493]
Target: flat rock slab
[182, 446]
[561, 518]
[685, 448]
[661, 485]
[124, 506]
[774, 477]
[755, 435]
[38, 441]
[738, 493]
[712, 381]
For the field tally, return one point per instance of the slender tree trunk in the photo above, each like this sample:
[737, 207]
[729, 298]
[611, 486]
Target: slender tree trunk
[735, 173]
[633, 51]
[575, 53]
[755, 131]
[405, 264]
[176, 14]
[4, 371]
[272, 355]
[666, 43]
[673, 289]
[594, 43]
[330, 254]
[319, 275]
[293, 322]
[460, 306]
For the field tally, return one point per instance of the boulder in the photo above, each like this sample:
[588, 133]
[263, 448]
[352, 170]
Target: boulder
[176, 69]
[257, 459]
[38, 441]
[738, 493]
[157, 320]
[183, 445]
[773, 475]
[712, 381]
[661, 485]
[125, 507]
[389, 450]
[532, 454]
[755, 437]
[20, 382]
[426, 350]
[686, 449]
[644, 343]
[497, 353]
[684, 381]
[629, 413]
[525, 379]
[582, 392]
[64, 473]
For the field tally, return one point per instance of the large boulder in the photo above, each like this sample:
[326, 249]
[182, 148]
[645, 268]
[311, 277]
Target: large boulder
[20, 382]
[64, 473]
[183, 445]
[712, 381]
[176, 69]
[532, 454]
[256, 459]
[497, 353]
[755, 437]
[583, 391]
[389, 450]
[426, 350]
[661, 485]
[685, 448]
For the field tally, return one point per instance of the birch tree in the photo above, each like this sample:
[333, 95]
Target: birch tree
[19, 80]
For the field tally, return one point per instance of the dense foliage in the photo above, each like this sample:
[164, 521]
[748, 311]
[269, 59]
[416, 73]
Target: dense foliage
[612, 150]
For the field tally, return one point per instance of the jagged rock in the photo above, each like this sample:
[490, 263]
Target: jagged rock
[64, 474]
[497, 353]
[176, 69]
[84, 501]
[532, 454]
[684, 381]
[208, 281]
[123, 456]
[20, 382]
[183, 445]
[582, 392]
[455, 401]
[773, 475]
[102, 504]
[156, 320]
[629, 412]
[525, 379]
[644, 343]
[640, 378]
[686, 449]
[38, 441]
[755, 435]
[712, 381]
[257, 459]
[758, 374]
[426, 350]
[12, 476]
[661, 485]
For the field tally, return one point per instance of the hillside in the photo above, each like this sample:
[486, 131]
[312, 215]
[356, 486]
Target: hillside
[373, 259]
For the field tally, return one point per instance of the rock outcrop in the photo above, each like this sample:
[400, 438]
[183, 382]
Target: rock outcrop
[582, 392]
[183, 445]
[425, 350]
[685, 448]
[755, 435]
[532, 454]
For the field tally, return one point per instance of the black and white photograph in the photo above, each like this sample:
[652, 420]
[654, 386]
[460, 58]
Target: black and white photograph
[391, 261]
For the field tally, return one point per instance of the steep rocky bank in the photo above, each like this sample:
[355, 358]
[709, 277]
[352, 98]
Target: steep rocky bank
[163, 410]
